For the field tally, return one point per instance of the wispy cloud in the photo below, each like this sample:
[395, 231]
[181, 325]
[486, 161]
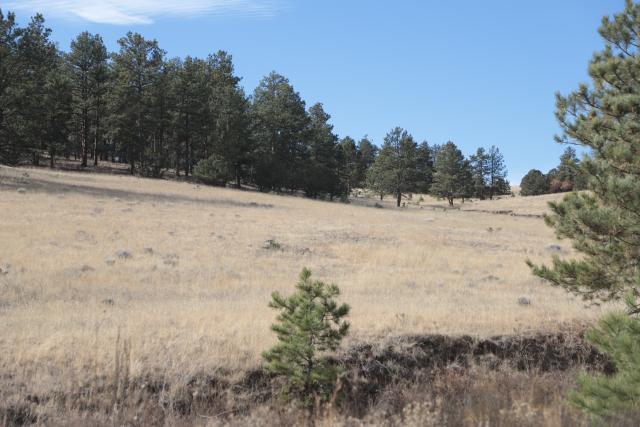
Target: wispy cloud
[126, 12]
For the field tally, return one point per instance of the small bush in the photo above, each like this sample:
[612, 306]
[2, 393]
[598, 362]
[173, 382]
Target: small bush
[309, 325]
[272, 245]
[213, 171]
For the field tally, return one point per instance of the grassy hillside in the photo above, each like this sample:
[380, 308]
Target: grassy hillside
[184, 272]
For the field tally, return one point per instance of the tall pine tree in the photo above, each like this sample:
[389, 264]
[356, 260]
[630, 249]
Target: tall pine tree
[280, 124]
[136, 68]
[450, 178]
[603, 224]
[87, 61]
[10, 147]
[496, 173]
[395, 170]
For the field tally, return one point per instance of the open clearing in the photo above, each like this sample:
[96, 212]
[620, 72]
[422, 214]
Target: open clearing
[185, 272]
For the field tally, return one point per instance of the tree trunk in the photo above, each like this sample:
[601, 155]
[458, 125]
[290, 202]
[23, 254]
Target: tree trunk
[187, 146]
[398, 199]
[84, 140]
[95, 141]
[187, 163]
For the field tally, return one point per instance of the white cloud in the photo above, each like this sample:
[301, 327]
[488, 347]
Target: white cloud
[126, 12]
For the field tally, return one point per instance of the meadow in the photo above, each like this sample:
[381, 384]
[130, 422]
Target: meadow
[182, 274]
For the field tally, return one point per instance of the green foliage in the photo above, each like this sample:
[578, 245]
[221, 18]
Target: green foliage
[309, 324]
[616, 397]
[214, 170]
[280, 123]
[162, 114]
[534, 183]
[479, 163]
[603, 222]
[57, 107]
[227, 108]
[87, 62]
[367, 153]
[322, 163]
[489, 173]
[349, 164]
[568, 176]
[424, 168]
[10, 76]
[136, 68]
[451, 173]
[395, 170]
[496, 173]
[31, 56]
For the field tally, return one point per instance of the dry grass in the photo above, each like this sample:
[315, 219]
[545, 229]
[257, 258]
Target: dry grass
[193, 294]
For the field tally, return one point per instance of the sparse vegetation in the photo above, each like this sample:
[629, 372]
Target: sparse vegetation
[62, 323]
[126, 300]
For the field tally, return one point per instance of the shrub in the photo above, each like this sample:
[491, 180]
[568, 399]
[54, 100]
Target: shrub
[309, 325]
[213, 170]
[534, 183]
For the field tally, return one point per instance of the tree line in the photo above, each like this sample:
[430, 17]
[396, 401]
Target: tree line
[567, 176]
[191, 117]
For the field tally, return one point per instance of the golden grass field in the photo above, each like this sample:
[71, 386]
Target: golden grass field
[193, 294]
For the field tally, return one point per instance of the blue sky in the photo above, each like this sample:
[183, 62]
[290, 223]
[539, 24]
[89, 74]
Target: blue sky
[474, 72]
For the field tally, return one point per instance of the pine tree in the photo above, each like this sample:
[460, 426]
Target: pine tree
[136, 68]
[191, 112]
[349, 164]
[449, 179]
[496, 172]
[424, 168]
[88, 62]
[57, 105]
[37, 57]
[467, 188]
[395, 169]
[375, 178]
[567, 176]
[227, 121]
[321, 165]
[603, 222]
[481, 172]
[615, 398]
[367, 153]
[310, 324]
[280, 123]
[10, 147]
[161, 133]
